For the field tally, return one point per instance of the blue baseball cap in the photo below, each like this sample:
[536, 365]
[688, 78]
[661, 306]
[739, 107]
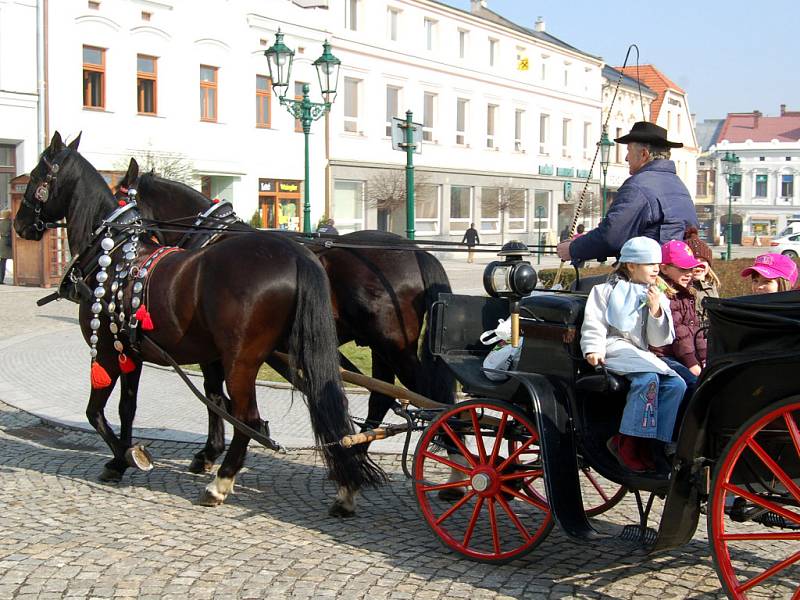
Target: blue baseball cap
[641, 251]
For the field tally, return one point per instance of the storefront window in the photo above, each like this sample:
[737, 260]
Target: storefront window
[490, 209]
[426, 209]
[517, 210]
[460, 208]
[348, 205]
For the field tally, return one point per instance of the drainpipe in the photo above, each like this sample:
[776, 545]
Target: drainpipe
[42, 124]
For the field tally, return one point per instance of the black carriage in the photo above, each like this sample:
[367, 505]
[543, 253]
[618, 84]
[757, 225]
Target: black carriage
[494, 474]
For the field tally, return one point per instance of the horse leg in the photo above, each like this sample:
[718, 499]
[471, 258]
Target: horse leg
[115, 468]
[345, 504]
[241, 385]
[379, 404]
[213, 379]
[135, 456]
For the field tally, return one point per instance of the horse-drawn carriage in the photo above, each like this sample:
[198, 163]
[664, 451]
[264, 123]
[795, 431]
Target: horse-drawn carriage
[495, 473]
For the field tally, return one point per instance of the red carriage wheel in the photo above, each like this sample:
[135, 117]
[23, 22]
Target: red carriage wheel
[504, 512]
[754, 506]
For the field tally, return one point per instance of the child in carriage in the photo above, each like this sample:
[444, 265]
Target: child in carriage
[622, 318]
[704, 280]
[772, 273]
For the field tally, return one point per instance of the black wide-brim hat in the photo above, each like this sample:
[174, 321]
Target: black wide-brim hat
[646, 132]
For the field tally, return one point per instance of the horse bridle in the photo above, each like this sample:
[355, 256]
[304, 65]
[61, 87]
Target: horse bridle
[43, 191]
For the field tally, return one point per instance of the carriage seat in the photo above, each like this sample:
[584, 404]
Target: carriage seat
[601, 382]
[585, 284]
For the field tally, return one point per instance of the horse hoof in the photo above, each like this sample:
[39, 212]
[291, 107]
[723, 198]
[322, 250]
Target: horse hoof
[340, 511]
[451, 494]
[209, 499]
[199, 466]
[139, 457]
[110, 475]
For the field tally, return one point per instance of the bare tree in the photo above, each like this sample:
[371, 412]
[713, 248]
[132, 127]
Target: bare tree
[386, 190]
[510, 201]
[169, 165]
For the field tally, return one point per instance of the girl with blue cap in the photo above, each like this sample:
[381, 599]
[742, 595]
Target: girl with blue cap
[623, 318]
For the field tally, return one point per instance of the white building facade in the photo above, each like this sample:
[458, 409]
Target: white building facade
[510, 115]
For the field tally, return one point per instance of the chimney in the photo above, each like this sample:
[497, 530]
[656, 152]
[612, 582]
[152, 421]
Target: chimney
[756, 117]
[539, 25]
[477, 5]
[783, 109]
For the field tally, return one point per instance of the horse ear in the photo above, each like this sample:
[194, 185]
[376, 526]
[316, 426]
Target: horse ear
[56, 144]
[131, 174]
[76, 142]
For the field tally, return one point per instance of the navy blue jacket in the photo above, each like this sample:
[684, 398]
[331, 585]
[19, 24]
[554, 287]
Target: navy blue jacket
[652, 202]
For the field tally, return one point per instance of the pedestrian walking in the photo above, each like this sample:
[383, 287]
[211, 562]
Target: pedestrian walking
[327, 227]
[5, 241]
[471, 238]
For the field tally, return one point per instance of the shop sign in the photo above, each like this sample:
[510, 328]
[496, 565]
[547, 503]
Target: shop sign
[266, 185]
[288, 186]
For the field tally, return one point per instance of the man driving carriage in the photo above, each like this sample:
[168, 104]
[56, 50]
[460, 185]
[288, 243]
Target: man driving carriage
[653, 202]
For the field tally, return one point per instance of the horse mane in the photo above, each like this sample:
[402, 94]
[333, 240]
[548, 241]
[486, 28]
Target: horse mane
[96, 200]
[152, 185]
[376, 236]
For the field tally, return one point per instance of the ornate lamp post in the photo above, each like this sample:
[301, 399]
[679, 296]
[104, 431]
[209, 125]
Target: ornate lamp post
[279, 60]
[605, 145]
[730, 168]
[540, 215]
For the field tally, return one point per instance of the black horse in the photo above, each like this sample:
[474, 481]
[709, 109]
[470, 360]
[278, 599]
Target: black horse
[380, 296]
[234, 302]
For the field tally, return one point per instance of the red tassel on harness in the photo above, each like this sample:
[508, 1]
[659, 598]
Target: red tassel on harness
[126, 365]
[100, 378]
[144, 318]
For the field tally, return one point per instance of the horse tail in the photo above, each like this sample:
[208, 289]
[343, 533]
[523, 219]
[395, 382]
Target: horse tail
[313, 348]
[438, 379]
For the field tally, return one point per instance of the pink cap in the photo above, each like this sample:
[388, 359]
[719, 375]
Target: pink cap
[678, 254]
[772, 266]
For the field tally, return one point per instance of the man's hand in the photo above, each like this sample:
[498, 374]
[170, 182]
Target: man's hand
[563, 250]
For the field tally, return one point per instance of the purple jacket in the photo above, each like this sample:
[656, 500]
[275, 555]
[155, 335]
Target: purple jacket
[652, 202]
[688, 347]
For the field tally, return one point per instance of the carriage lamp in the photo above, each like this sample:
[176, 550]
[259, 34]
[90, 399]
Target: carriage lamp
[511, 278]
[605, 145]
[279, 60]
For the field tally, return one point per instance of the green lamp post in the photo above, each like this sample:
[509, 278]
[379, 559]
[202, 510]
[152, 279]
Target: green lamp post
[730, 168]
[539, 216]
[279, 60]
[605, 145]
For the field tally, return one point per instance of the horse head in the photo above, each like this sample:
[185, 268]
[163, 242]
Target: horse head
[61, 175]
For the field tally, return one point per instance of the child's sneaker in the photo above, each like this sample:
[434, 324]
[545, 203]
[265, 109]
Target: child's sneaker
[625, 450]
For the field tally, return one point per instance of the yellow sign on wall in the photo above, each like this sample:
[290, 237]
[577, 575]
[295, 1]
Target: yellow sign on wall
[522, 64]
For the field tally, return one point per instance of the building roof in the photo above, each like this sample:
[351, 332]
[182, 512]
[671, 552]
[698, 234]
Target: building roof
[740, 127]
[485, 13]
[613, 75]
[708, 132]
[656, 81]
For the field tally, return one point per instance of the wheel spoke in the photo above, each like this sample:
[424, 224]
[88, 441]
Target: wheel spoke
[769, 572]
[763, 502]
[515, 454]
[790, 485]
[522, 475]
[478, 436]
[472, 520]
[501, 429]
[445, 486]
[459, 444]
[514, 518]
[493, 525]
[794, 432]
[447, 462]
[534, 501]
[596, 485]
[743, 537]
[454, 508]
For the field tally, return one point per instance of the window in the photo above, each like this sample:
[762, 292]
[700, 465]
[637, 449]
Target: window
[565, 138]
[522, 59]
[461, 121]
[702, 183]
[208, 93]
[93, 5]
[393, 18]
[146, 84]
[460, 208]
[8, 170]
[618, 147]
[519, 119]
[543, 72]
[491, 115]
[492, 51]
[787, 186]
[490, 209]
[146, 16]
[430, 33]
[462, 43]
[736, 188]
[544, 133]
[392, 104]
[263, 108]
[678, 123]
[298, 95]
[517, 212]
[428, 117]
[94, 77]
[348, 205]
[351, 15]
[426, 210]
[351, 89]
[541, 209]
[587, 137]
[761, 186]
[566, 75]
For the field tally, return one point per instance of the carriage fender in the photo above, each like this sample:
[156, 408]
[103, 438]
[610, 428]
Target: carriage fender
[559, 457]
[738, 390]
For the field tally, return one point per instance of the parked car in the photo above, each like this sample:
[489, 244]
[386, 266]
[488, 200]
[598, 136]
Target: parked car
[788, 245]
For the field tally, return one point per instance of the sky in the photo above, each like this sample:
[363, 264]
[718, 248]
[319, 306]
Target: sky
[729, 56]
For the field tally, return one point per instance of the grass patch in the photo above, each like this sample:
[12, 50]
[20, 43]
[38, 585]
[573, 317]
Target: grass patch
[360, 356]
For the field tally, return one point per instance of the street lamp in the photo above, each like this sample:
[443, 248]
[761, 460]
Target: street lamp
[730, 168]
[539, 215]
[279, 60]
[605, 145]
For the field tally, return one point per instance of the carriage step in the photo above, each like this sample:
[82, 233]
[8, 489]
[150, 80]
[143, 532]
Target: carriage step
[634, 533]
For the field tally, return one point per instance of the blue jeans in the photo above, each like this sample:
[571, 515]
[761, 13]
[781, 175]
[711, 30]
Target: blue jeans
[652, 405]
[684, 372]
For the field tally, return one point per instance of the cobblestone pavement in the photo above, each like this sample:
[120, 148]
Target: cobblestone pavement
[65, 535]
